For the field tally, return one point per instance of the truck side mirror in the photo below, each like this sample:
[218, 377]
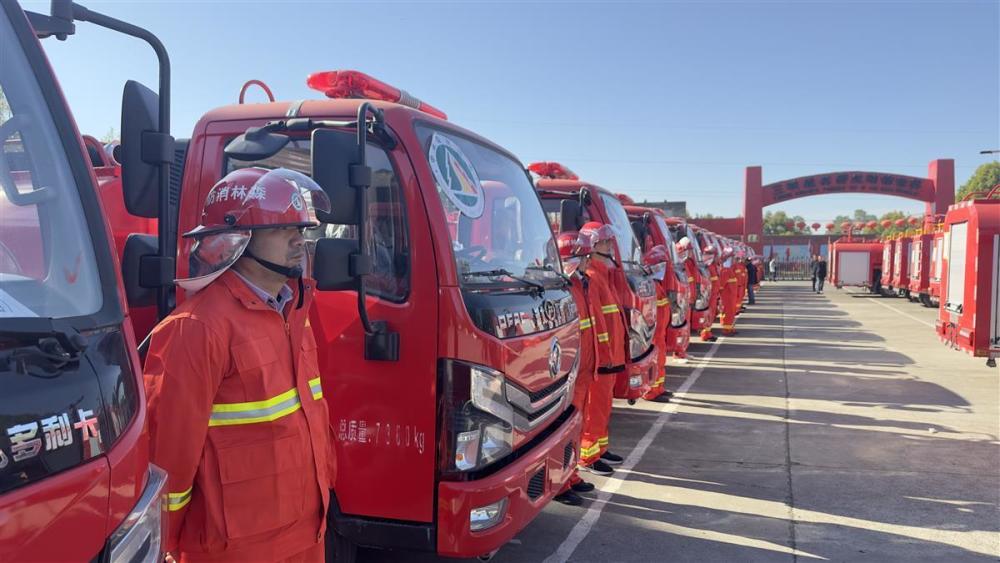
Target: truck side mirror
[140, 290]
[141, 150]
[570, 217]
[333, 156]
[332, 264]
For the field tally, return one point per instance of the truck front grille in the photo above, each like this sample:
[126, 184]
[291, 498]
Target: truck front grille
[536, 486]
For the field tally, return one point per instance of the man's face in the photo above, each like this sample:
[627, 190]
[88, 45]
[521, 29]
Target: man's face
[604, 247]
[284, 246]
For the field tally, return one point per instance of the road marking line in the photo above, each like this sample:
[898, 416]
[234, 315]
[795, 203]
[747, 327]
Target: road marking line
[907, 315]
[582, 528]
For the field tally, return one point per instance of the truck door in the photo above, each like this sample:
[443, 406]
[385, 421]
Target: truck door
[382, 413]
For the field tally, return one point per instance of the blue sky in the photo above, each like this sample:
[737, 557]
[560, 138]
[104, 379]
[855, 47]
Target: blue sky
[661, 100]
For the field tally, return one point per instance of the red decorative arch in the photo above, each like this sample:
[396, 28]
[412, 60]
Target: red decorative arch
[937, 190]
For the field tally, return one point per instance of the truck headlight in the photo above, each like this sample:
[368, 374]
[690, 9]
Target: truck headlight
[640, 334]
[139, 539]
[678, 309]
[475, 416]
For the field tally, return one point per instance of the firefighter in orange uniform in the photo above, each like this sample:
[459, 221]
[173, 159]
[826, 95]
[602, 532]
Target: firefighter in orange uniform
[236, 409]
[575, 251]
[742, 278]
[655, 261]
[596, 457]
[729, 292]
[709, 254]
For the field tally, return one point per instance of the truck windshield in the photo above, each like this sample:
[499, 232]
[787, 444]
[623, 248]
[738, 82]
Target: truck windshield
[47, 262]
[679, 269]
[499, 234]
[627, 245]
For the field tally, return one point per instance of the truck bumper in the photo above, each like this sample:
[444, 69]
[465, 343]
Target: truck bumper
[527, 484]
[638, 379]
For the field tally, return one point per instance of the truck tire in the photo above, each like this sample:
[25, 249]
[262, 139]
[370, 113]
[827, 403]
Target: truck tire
[340, 549]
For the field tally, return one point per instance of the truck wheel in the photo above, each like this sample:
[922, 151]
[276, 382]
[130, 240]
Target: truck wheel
[340, 549]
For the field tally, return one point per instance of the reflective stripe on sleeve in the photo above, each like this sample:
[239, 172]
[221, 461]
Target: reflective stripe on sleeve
[316, 388]
[662, 302]
[603, 337]
[177, 501]
[690, 279]
[586, 323]
[608, 309]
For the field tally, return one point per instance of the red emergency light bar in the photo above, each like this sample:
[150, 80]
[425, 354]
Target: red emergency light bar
[552, 170]
[358, 85]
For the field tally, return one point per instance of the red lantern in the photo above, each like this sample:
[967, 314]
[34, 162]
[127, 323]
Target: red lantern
[789, 225]
[900, 222]
[801, 225]
[871, 224]
[886, 224]
[815, 226]
[845, 226]
[830, 226]
[859, 225]
[914, 221]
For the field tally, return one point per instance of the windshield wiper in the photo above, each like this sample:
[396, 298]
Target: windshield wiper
[550, 268]
[503, 272]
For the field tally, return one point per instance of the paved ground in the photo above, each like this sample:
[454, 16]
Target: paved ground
[833, 427]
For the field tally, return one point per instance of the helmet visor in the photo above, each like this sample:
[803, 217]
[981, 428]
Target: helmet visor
[211, 256]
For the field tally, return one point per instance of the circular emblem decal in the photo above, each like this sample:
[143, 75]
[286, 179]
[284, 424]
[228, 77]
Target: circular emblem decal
[555, 355]
[455, 177]
[297, 201]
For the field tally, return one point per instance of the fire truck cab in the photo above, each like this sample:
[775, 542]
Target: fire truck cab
[75, 479]
[969, 316]
[651, 228]
[570, 203]
[447, 336]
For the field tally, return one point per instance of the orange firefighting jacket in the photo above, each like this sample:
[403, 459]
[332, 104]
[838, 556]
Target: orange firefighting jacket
[238, 420]
[595, 349]
[613, 313]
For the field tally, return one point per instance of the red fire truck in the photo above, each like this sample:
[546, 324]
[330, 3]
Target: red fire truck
[856, 263]
[448, 338]
[570, 203]
[888, 262]
[921, 244]
[700, 282]
[936, 264]
[968, 318]
[901, 265]
[75, 479]
[651, 229]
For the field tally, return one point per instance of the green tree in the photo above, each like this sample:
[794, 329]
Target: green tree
[775, 223]
[983, 180]
[704, 216]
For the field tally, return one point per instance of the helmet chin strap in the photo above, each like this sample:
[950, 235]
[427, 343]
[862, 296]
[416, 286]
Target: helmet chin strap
[287, 271]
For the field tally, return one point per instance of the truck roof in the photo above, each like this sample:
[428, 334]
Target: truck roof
[345, 108]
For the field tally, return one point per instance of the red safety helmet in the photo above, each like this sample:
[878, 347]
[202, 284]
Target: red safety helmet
[246, 200]
[573, 247]
[683, 248]
[655, 259]
[727, 252]
[597, 232]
